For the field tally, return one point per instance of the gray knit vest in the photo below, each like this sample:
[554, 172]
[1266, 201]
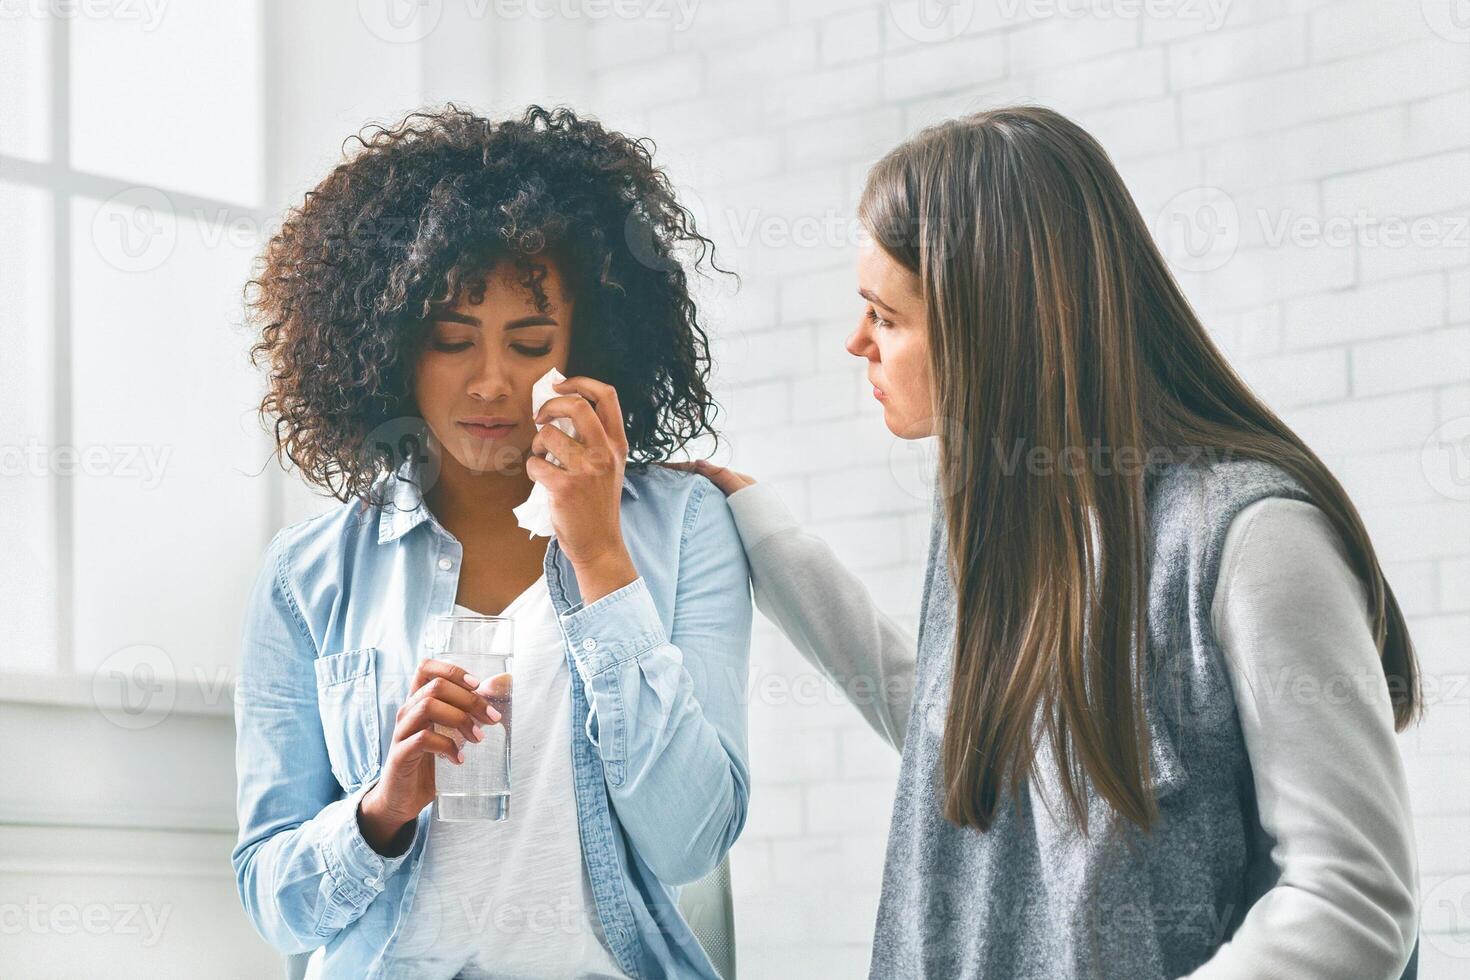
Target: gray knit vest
[1032, 897]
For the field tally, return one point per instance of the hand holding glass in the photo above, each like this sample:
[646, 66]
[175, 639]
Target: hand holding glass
[479, 787]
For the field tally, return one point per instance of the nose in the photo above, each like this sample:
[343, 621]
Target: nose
[860, 342]
[490, 381]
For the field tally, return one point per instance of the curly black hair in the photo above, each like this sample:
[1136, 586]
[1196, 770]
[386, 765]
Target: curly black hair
[423, 210]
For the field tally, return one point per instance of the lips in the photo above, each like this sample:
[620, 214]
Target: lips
[487, 427]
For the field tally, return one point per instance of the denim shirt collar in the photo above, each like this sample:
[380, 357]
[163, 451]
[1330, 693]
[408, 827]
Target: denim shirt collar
[405, 508]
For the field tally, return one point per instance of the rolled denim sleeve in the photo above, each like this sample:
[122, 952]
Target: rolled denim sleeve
[668, 707]
[303, 869]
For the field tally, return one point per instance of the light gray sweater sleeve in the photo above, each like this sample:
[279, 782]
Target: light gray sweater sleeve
[1292, 621]
[826, 611]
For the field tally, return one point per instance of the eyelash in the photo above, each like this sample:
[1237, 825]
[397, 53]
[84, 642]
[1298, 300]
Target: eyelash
[528, 352]
[875, 318]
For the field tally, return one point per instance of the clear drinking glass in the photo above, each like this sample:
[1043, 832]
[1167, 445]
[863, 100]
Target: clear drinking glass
[478, 788]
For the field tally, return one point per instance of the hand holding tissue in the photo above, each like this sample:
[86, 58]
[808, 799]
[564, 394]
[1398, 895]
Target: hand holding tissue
[535, 513]
[585, 490]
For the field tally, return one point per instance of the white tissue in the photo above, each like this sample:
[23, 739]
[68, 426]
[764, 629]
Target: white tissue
[535, 514]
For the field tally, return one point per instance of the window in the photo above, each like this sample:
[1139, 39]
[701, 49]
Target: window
[132, 174]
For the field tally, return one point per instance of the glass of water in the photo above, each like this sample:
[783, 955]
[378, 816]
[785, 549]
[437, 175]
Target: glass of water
[478, 788]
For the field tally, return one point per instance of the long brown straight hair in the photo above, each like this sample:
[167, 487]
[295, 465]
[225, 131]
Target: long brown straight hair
[1054, 322]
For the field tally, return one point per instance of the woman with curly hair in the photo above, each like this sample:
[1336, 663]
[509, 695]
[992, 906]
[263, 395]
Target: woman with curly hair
[406, 310]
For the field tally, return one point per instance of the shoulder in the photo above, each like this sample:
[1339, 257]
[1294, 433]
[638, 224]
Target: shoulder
[1288, 608]
[682, 520]
[322, 540]
[675, 498]
[1190, 505]
[657, 482]
[1216, 481]
[1281, 525]
[1278, 551]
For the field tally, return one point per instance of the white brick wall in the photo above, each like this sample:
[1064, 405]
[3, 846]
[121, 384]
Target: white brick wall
[1328, 126]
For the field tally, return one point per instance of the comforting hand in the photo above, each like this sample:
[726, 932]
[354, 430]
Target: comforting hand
[585, 491]
[726, 479]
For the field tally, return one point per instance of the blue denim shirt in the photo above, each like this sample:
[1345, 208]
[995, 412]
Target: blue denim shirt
[334, 630]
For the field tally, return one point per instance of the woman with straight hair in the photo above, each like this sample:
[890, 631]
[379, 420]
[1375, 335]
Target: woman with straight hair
[1149, 731]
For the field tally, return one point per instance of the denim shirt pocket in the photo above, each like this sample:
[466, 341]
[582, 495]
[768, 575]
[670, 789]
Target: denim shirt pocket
[347, 698]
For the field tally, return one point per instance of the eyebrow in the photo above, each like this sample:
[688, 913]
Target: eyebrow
[872, 297]
[517, 324]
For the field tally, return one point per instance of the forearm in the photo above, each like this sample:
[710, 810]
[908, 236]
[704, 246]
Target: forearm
[303, 884]
[682, 790]
[826, 612]
[673, 748]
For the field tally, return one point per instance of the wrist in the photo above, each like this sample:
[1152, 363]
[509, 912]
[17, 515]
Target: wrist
[384, 831]
[605, 574]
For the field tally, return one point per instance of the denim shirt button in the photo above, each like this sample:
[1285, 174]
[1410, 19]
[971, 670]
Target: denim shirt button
[445, 564]
[589, 644]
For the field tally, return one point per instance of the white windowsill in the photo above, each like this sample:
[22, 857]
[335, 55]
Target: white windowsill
[188, 695]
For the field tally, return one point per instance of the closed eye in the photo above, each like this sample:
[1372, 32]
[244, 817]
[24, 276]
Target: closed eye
[452, 348]
[873, 317]
[531, 352]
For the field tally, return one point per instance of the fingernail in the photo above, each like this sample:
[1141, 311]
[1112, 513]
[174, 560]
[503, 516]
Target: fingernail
[494, 715]
[471, 680]
[477, 733]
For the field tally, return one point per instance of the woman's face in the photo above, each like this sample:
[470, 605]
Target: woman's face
[474, 373]
[893, 336]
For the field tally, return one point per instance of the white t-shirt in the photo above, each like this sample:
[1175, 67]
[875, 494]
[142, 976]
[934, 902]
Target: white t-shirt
[512, 898]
